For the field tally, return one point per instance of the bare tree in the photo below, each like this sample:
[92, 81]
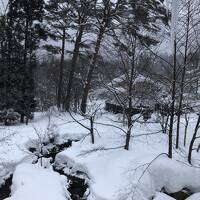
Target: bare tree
[186, 128]
[91, 117]
[187, 40]
[194, 137]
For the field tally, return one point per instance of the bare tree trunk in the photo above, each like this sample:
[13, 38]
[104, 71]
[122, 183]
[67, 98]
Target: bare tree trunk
[171, 124]
[128, 135]
[183, 79]
[73, 67]
[129, 113]
[60, 82]
[91, 70]
[166, 124]
[193, 140]
[91, 119]
[186, 127]
[92, 129]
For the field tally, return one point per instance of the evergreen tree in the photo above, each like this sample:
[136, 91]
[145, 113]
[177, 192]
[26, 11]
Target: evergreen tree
[81, 15]
[58, 18]
[23, 32]
[134, 17]
[105, 13]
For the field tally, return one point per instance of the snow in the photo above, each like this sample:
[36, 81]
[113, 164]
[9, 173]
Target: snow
[14, 150]
[115, 172]
[36, 183]
[174, 175]
[194, 197]
[162, 196]
[108, 173]
[112, 172]
[103, 184]
[107, 169]
[139, 78]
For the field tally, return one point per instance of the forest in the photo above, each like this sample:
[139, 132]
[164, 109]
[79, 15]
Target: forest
[99, 99]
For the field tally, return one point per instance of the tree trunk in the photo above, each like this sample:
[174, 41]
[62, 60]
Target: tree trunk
[9, 46]
[129, 114]
[73, 67]
[60, 82]
[24, 72]
[91, 70]
[128, 135]
[193, 140]
[92, 129]
[182, 80]
[166, 124]
[171, 124]
[186, 127]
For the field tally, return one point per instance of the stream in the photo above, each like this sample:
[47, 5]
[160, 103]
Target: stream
[77, 187]
[5, 189]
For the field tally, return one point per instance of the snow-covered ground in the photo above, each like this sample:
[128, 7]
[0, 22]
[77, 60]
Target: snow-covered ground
[113, 173]
[13, 139]
[161, 196]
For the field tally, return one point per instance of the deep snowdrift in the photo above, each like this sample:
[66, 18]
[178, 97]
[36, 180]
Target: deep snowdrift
[194, 197]
[31, 182]
[107, 171]
[161, 196]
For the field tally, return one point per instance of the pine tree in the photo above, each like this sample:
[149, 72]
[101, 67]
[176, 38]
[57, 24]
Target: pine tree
[23, 33]
[81, 14]
[10, 60]
[58, 18]
[105, 13]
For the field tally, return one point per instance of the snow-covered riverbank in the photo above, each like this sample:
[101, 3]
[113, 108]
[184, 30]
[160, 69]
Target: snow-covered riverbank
[112, 172]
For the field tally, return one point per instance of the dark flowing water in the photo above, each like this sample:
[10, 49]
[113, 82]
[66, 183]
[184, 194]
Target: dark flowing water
[5, 189]
[77, 187]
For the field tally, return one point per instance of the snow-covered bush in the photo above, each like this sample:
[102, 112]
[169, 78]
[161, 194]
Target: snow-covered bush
[47, 144]
[9, 116]
[52, 134]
